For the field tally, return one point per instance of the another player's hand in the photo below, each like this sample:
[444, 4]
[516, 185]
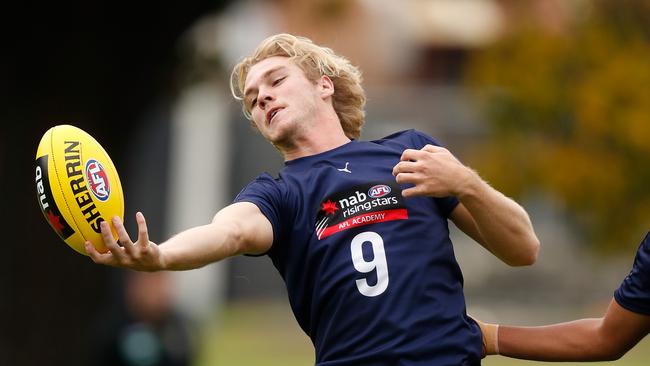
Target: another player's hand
[143, 255]
[434, 171]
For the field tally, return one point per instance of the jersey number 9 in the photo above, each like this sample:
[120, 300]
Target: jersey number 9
[377, 263]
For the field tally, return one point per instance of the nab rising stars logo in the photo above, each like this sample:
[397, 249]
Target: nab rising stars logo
[361, 205]
[98, 180]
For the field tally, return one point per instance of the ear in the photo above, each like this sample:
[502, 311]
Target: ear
[326, 87]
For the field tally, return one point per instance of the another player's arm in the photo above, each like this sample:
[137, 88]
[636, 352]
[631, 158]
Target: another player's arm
[492, 219]
[599, 339]
[237, 229]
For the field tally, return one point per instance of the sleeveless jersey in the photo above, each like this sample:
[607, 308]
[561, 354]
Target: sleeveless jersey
[371, 276]
[634, 292]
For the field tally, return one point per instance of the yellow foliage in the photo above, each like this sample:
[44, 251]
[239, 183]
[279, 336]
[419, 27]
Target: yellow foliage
[570, 114]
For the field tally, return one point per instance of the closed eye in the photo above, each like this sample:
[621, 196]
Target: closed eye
[278, 81]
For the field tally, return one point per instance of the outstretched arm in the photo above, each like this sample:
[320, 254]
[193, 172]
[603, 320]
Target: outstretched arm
[237, 229]
[495, 221]
[599, 339]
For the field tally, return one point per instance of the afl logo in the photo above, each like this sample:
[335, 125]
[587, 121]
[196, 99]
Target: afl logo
[97, 180]
[380, 190]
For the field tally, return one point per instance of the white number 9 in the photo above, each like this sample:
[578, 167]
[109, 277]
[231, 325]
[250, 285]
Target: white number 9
[378, 263]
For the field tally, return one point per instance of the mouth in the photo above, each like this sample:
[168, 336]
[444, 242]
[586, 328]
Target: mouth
[271, 114]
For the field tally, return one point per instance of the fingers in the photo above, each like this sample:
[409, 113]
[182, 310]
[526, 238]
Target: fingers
[96, 256]
[404, 178]
[413, 192]
[139, 256]
[418, 189]
[116, 254]
[412, 155]
[122, 236]
[433, 171]
[433, 148]
[110, 243]
[407, 171]
[415, 155]
[404, 167]
[143, 232]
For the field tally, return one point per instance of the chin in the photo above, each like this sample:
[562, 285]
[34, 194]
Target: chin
[281, 133]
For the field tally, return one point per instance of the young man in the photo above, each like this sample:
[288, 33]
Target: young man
[357, 230]
[625, 323]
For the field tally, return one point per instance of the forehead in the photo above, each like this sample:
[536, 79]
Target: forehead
[262, 68]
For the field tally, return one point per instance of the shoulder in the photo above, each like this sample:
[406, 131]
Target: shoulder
[263, 185]
[408, 139]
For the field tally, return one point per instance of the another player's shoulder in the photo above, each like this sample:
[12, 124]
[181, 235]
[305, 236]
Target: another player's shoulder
[407, 139]
[643, 254]
[646, 242]
[634, 292]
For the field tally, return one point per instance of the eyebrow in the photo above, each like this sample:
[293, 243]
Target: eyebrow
[264, 76]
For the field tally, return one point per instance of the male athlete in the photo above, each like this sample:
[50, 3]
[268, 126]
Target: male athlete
[357, 230]
[625, 323]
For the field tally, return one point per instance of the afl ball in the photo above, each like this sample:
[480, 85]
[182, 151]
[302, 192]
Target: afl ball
[77, 186]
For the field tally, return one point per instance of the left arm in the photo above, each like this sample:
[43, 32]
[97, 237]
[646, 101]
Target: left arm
[495, 221]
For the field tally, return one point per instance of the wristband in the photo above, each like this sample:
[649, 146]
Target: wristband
[490, 334]
[490, 338]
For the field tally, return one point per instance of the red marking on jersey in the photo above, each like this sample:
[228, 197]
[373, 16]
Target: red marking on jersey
[365, 219]
[329, 207]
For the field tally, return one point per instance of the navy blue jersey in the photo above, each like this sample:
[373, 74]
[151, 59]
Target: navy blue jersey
[371, 276]
[634, 292]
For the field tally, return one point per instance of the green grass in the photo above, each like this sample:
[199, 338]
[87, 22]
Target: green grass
[251, 334]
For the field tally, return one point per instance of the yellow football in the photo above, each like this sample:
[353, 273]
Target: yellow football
[77, 186]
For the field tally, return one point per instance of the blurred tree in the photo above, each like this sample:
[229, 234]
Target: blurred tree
[569, 113]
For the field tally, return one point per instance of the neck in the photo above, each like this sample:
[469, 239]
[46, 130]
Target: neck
[314, 139]
[312, 144]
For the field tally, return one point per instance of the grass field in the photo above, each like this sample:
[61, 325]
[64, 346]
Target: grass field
[268, 335]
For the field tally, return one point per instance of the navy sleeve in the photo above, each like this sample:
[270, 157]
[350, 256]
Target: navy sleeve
[266, 194]
[420, 140]
[634, 292]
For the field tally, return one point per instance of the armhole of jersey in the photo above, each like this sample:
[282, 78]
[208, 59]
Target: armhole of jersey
[266, 214]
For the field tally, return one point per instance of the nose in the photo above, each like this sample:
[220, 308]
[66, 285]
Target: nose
[263, 97]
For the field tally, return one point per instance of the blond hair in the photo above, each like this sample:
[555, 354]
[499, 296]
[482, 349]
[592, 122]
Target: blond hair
[349, 97]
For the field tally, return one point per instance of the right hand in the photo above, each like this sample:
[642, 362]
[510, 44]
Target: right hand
[434, 172]
[143, 255]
